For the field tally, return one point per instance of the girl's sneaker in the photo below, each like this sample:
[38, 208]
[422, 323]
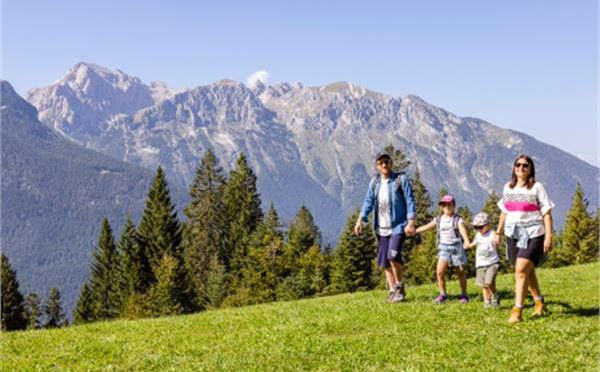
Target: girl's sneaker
[540, 308]
[441, 299]
[487, 305]
[464, 299]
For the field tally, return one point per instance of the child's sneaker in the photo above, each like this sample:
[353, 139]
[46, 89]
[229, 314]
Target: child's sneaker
[441, 299]
[495, 301]
[464, 299]
[515, 315]
[540, 308]
[487, 304]
[390, 296]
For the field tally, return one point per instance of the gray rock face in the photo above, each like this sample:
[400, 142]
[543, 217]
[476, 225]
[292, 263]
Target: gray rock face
[308, 145]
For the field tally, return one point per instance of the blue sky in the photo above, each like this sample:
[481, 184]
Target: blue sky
[531, 66]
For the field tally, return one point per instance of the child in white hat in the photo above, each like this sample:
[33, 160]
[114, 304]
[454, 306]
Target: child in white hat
[487, 261]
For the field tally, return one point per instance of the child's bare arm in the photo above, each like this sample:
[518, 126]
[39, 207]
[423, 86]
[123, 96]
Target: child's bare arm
[463, 232]
[429, 226]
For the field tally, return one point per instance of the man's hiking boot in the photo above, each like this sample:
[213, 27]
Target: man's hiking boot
[441, 299]
[400, 292]
[540, 308]
[515, 315]
[397, 295]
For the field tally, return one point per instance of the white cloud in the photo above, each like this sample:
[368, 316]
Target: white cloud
[261, 75]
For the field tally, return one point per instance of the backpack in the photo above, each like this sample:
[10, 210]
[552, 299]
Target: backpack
[455, 219]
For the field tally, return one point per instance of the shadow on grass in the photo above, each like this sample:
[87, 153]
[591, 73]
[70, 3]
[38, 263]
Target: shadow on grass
[574, 311]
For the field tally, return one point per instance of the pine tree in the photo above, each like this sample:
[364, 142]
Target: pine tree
[352, 268]
[491, 208]
[303, 233]
[216, 283]
[422, 260]
[103, 275]
[159, 233]
[262, 276]
[579, 236]
[423, 214]
[130, 273]
[206, 231]
[242, 203]
[399, 160]
[163, 295]
[33, 310]
[84, 310]
[311, 273]
[53, 311]
[13, 307]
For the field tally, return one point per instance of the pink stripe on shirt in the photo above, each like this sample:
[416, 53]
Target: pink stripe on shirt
[515, 206]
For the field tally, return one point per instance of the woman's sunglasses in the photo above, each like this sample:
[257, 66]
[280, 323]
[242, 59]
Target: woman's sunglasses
[522, 165]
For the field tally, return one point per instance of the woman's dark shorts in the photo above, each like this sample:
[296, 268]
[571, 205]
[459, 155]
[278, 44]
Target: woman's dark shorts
[534, 251]
[389, 248]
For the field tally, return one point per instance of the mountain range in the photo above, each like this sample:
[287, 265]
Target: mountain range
[308, 145]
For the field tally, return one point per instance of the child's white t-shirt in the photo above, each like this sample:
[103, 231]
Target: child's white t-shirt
[446, 229]
[486, 253]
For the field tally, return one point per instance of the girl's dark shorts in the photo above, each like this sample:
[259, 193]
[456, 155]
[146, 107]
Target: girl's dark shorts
[534, 251]
[388, 249]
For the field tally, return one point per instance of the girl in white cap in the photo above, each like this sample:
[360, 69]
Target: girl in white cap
[452, 240]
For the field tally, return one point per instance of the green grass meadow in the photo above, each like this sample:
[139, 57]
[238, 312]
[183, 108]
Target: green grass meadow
[356, 331]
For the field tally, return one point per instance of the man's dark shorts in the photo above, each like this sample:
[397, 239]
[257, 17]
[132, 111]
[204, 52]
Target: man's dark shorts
[388, 249]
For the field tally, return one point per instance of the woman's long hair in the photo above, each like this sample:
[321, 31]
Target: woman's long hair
[530, 179]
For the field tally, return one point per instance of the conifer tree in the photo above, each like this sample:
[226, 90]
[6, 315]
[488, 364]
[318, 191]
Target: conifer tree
[352, 268]
[206, 231]
[216, 283]
[84, 310]
[579, 236]
[13, 308]
[242, 203]
[104, 274]
[33, 310]
[423, 214]
[262, 276]
[53, 311]
[491, 208]
[311, 272]
[159, 233]
[399, 160]
[303, 233]
[422, 260]
[130, 273]
[163, 296]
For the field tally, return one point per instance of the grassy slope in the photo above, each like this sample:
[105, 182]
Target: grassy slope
[351, 331]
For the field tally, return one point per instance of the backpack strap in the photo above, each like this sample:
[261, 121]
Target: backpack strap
[455, 220]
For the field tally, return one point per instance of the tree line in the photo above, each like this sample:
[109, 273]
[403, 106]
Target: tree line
[229, 252]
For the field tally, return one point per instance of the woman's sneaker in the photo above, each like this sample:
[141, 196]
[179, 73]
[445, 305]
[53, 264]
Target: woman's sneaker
[464, 299]
[441, 299]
